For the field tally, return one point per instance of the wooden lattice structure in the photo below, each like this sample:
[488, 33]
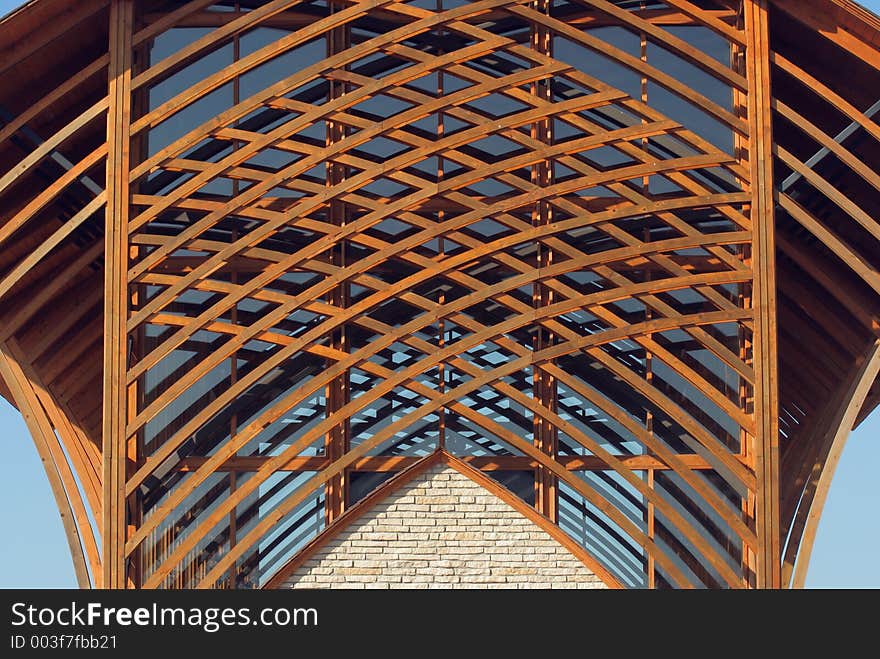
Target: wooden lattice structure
[259, 257]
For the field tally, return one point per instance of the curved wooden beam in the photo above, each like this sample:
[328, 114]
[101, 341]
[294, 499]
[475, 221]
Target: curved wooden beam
[387, 432]
[593, 447]
[680, 302]
[810, 511]
[74, 520]
[514, 348]
[316, 333]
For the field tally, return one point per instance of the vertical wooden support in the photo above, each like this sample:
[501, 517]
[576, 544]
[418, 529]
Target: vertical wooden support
[338, 390]
[114, 518]
[234, 576]
[650, 511]
[744, 301]
[441, 247]
[544, 385]
[766, 398]
[137, 295]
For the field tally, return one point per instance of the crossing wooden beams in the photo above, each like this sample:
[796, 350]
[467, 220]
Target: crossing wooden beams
[487, 229]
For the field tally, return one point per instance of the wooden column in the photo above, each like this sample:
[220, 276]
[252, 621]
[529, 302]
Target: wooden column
[544, 384]
[766, 396]
[114, 518]
[338, 390]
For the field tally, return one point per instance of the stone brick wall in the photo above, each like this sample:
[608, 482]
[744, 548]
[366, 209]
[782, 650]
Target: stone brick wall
[443, 530]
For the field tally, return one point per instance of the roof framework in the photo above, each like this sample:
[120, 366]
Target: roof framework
[260, 262]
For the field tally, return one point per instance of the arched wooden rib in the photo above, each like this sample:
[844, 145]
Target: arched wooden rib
[83, 454]
[732, 34]
[680, 178]
[415, 220]
[666, 39]
[616, 464]
[613, 462]
[721, 459]
[169, 20]
[39, 202]
[386, 433]
[261, 254]
[463, 365]
[852, 259]
[823, 91]
[53, 97]
[326, 65]
[13, 322]
[826, 141]
[615, 321]
[73, 517]
[389, 431]
[459, 319]
[830, 192]
[446, 266]
[637, 107]
[388, 81]
[23, 268]
[244, 65]
[97, 66]
[83, 467]
[800, 466]
[515, 305]
[302, 392]
[321, 155]
[596, 45]
[360, 238]
[316, 333]
[729, 208]
[714, 68]
[351, 230]
[816, 492]
[526, 401]
[559, 110]
[171, 445]
[202, 45]
[51, 144]
[576, 166]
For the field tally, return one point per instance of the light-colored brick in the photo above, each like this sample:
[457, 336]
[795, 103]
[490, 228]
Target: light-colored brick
[443, 531]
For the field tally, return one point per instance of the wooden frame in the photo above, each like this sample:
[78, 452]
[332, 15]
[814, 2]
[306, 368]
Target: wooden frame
[115, 444]
[494, 254]
[766, 404]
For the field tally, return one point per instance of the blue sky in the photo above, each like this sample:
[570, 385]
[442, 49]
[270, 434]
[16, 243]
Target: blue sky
[34, 553]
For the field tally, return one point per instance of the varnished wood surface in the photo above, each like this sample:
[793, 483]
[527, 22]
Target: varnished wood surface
[126, 284]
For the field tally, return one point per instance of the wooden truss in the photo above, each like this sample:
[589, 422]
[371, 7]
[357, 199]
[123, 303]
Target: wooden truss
[263, 261]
